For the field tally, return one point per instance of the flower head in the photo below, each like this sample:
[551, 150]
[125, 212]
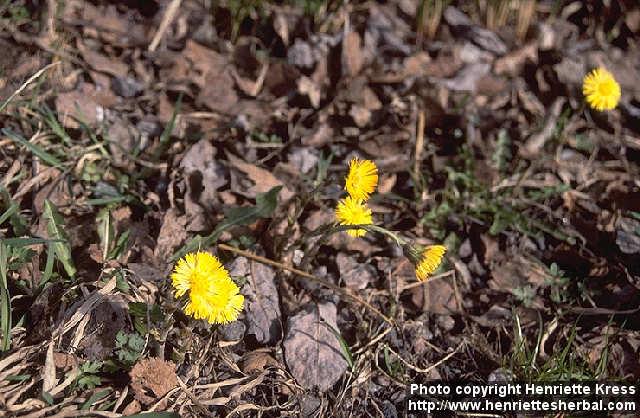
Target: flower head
[212, 294]
[601, 90]
[427, 259]
[352, 211]
[362, 178]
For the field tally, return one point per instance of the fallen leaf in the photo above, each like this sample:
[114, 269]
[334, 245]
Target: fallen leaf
[172, 234]
[355, 275]
[352, 58]
[436, 296]
[204, 176]
[462, 26]
[151, 379]
[258, 360]
[263, 179]
[262, 306]
[307, 87]
[102, 63]
[512, 63]
[108, 317]
[312, 351]
[628, 235]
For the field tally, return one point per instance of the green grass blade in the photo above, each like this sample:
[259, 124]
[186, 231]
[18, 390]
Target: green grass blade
[35, 149]
[95, 398]
[346, 351]
[55, 228]
[25, 242]
[5, 300]
[13, 208]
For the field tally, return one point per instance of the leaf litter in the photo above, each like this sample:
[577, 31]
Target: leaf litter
[123, 157]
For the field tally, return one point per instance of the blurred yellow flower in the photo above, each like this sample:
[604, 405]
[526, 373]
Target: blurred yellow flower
[429, 261]
[212, 294]
[362, 178]
[352, 211]
[601, 90]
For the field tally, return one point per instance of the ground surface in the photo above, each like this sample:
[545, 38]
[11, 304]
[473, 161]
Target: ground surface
[147, 124]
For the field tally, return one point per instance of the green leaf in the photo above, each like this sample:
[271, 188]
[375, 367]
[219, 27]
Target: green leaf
[265, 205]
[25, 242]
[138, 310]
[18, 222]
[106, 231]
[121, 245]
[55, 229]
[89, 381]
[94, 398]
[35, 149]
[47, 397]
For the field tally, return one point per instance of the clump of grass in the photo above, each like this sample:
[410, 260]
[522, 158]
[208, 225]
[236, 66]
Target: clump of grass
[562, 365]
[465, 198]
[428, 18]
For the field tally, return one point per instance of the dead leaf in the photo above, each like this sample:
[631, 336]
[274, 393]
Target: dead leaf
[352, 58]
[512, 63]
[307, 87]
[263, 179]
[102, 63]
[172, 234]
[49, 380]
[204, 176]
[355, 275]
[258, 360]
[628, 235]
[262, 306]
[311, 350]
[462, 26]
[436, 296]
[467, 78]
[218, 93]
[122, 140]
[107, 318]
[84, 104]
[535, 142]
[154, 377]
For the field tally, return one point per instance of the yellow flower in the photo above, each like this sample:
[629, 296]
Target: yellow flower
[601, 90]
[352, 211]
[212, 294]
[428, 261]
[362, 178]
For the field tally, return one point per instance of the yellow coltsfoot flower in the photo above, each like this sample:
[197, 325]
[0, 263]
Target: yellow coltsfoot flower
[362, 178]
[352, 211]
[427, 259]
[601, 90]
[212, 294]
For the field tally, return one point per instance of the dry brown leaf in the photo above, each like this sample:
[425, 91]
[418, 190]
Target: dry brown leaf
[172, 234]
[352, 58]
[263, 179]
[258, 360]
[262, 306]
[102, 63]
[311, 350]
[154, 377]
